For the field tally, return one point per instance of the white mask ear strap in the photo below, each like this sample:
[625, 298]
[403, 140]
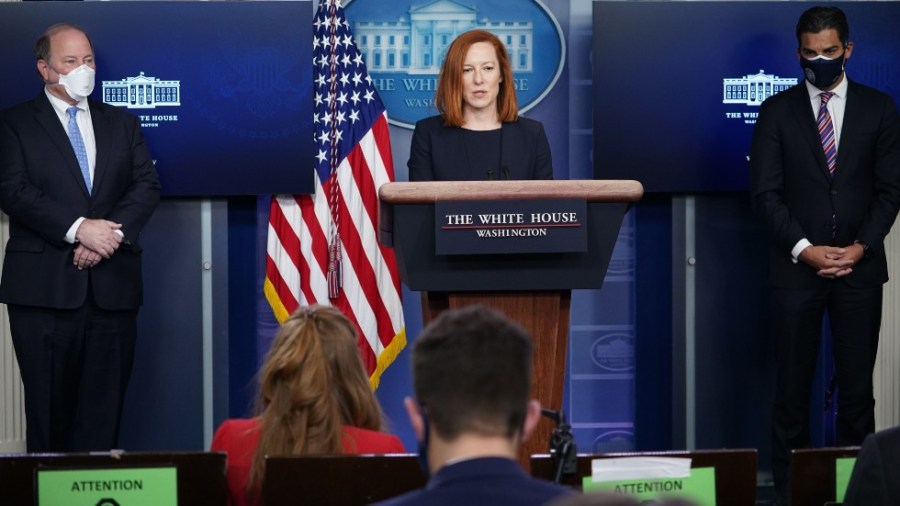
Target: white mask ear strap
[54, 71]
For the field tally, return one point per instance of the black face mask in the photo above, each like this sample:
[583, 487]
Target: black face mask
[822, 72]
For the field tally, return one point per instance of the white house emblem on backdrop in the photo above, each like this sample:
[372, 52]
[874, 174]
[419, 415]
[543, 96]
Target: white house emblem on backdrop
[142, 92]
[418, 44]
[614, 352]
[404, 46]
[753, 89]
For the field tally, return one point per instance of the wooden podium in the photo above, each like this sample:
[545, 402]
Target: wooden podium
[533, 289]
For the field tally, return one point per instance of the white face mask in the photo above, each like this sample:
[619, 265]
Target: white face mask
[79, 83]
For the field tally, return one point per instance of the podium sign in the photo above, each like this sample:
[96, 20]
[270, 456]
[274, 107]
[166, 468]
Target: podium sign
[510, 226]
[407, 223]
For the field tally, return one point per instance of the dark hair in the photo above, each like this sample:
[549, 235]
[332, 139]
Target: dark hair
[42, 44]
[816, 19]
[449, 96]
[472, 373]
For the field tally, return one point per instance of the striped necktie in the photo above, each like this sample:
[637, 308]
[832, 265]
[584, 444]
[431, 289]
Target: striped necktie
[826, 132]
[78, 145]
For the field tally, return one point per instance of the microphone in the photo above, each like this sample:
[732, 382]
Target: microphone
[490, 175]
[505, 171]
[562, 445]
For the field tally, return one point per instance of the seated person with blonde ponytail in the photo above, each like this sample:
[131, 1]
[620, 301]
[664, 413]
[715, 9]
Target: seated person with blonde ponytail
[315, 399]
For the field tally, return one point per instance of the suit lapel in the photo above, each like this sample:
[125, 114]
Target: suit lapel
[458, 139]
[508, 160]
[853, 118]
[102, 136]
[47, 118]
[806, 123]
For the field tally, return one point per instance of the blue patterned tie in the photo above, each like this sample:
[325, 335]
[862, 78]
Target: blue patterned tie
[78, 145]
[826, 132]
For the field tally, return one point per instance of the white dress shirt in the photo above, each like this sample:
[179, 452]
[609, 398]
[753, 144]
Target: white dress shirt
[86, 126]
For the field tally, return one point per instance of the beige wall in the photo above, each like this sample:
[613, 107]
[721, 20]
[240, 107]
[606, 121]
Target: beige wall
[887, 367]
[12, 409]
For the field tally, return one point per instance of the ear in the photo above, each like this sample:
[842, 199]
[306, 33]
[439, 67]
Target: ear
[848, 51]
[532, 417]
[44, 70]
[415, 417]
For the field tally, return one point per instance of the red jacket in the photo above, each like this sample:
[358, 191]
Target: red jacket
[239, 437]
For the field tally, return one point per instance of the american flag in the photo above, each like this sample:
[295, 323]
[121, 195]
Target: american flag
[323, 248]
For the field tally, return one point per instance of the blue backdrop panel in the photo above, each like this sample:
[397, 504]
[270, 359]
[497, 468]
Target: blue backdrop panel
[164, 405]
[675, 103]
[653, 286]
[598, 394]
[734, 351]
[223, 89]
[611, 305]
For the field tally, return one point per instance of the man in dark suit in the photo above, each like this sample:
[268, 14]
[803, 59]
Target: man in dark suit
[78, 184]
[472, 375]
[825, 178]
[876, 476]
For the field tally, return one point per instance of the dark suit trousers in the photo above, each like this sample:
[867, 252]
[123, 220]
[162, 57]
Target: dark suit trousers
[75, 365]
[854, 316]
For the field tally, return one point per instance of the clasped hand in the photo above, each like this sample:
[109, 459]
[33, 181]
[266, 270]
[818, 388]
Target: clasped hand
[97, 239]
[831, 261]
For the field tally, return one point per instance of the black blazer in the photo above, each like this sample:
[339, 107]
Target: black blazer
[438, 153]
[479, 481]
[43, 192]
[795, 196]
[876, 476]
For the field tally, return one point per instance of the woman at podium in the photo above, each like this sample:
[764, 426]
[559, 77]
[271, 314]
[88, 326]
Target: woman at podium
[314, 399]
[478, 134]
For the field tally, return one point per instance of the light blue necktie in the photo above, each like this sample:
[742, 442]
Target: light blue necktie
[78, 145]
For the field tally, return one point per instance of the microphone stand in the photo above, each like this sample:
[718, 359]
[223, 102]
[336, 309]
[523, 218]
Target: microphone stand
[562, 445]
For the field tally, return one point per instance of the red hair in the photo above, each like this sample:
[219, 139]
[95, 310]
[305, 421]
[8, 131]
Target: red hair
[449, 95]
[311, 384]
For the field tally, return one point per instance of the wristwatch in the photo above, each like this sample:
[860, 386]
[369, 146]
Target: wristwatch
[867, 251]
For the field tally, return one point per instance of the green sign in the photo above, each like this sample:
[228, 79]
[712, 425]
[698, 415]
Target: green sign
[699, 487]
[138, 486]
[843, 468]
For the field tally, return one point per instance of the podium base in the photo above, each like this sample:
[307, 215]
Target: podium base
[545, 315]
